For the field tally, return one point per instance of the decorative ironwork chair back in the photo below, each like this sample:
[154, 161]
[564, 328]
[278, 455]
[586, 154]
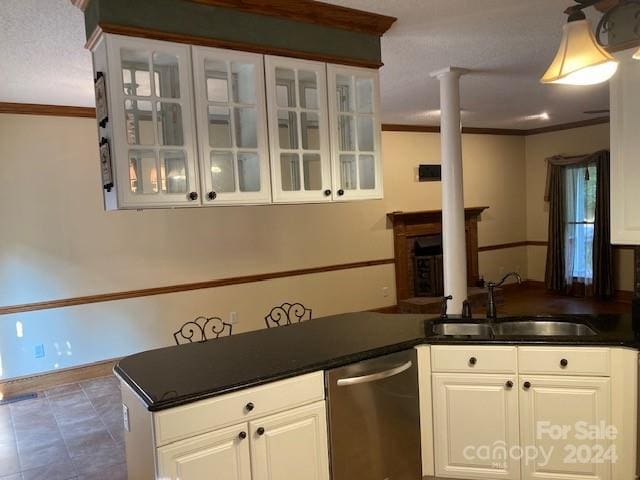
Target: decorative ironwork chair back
[287, 314]
[202, 329]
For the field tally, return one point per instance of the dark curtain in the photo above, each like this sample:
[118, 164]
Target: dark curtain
[555, 194]
[602, 251]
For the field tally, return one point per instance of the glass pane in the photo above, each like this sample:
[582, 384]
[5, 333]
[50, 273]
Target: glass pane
[367, 172]
[143, 172]
[174, 172]
[139, 122]
[166, 75]
[222, 176]
[249, 172]
[346, 133]
[135, 72]
[348, 179]
[215, 73]
[219, 127]
[312, 171]
[308, 89]
[365, 134]
[290, 171]
[285, 87]
[169, 119]
[288, 129]
[245, 124]
[243, 83]
[364, 95]
[344, 93]
[310, 132]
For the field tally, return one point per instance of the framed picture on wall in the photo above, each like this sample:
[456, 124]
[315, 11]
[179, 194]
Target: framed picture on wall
[105, 165]
[102, 112]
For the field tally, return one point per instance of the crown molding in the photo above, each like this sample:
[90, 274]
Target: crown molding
[50, 110]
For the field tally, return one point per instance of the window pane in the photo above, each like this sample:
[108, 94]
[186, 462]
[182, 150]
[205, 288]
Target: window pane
[285, 87]
[290, 171]
[288, 129]
[310, 131]
[346, 133]
[365, 134]
[243, 82]
[222, 175]
[169, 118]
[312, 171]
[248, 172]
[165, 75]
[245, 124]
[367, 172]
[344, 93]
[135, 72]
[348, 180]
[219, 127]
[174, 172]
[308, 89]
[143, 172]
[216, 76]
[139, 122]
[364, 89]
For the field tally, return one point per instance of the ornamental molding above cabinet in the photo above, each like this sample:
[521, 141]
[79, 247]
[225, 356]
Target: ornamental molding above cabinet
[190, 126]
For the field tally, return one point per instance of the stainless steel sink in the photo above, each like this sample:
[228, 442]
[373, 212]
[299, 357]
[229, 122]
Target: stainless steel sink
[453, 329]
[542, 328]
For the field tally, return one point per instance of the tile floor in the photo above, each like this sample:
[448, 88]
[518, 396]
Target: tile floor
[69, 432]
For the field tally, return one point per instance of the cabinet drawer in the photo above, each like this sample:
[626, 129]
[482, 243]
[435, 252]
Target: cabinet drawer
[225, 410]
[471, 358]
[564, 361]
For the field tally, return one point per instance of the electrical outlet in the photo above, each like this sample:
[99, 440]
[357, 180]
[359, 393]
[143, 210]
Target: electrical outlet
[39, 351]
[385, 291]
[501, 271]
[125, 418]
[233, 318]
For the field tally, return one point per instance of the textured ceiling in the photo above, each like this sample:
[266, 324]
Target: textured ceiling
[507, 43]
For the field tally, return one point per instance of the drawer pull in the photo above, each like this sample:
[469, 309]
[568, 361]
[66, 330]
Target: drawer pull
[473, 361]
[527, 385]
[242, 435]
[249, 406]
[260, 431]
[564, 362]
[509, 385]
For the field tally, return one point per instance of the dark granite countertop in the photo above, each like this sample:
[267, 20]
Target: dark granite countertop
[173, 376]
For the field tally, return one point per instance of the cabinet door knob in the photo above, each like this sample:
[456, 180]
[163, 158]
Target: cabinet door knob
[242, 435]
[249, 406]
[564, 362]
[509, 384]
[193, 196]
[341, 192]
[327, 192]
[527, 385]
[260, 431]
[473, 361]
[212, 195]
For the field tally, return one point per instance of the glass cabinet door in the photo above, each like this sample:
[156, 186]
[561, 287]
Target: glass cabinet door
[355, 132]
[232, 133]
[153, 134]
[298, 130]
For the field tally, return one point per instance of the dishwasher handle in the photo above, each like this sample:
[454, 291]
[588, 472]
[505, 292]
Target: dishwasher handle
[392, 372]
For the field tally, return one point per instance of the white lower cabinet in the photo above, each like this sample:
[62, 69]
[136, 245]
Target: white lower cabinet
[475, 416]
[225, 452]
[291, 445]
[554, 413]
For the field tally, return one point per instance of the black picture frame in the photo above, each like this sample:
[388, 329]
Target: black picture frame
[105, 165]
[102, 109]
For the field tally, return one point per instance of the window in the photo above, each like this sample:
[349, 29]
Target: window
[581, 184]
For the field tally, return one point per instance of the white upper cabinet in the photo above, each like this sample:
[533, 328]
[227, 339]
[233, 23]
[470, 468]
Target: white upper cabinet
[232, 126]
[354, 110]
[151, 123]
[298, 130]
[625, 145]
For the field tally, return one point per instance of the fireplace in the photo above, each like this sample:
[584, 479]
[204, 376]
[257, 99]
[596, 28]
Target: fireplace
[428, 278]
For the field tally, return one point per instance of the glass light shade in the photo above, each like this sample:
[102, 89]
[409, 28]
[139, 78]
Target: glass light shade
[580, 60]
[637, 55]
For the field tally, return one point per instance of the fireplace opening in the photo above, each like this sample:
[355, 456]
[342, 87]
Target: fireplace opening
[427, 266]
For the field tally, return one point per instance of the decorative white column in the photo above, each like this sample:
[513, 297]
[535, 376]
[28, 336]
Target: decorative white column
[453, 223]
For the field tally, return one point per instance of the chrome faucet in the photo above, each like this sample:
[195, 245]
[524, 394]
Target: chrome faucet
[491, 300]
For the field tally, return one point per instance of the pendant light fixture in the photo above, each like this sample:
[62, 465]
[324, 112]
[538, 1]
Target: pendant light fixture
[581, 58]
[637, 55]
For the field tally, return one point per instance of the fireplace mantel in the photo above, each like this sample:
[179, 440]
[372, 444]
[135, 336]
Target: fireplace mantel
[407, 225]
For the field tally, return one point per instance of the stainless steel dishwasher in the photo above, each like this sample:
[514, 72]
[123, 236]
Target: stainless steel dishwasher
[374, 419]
